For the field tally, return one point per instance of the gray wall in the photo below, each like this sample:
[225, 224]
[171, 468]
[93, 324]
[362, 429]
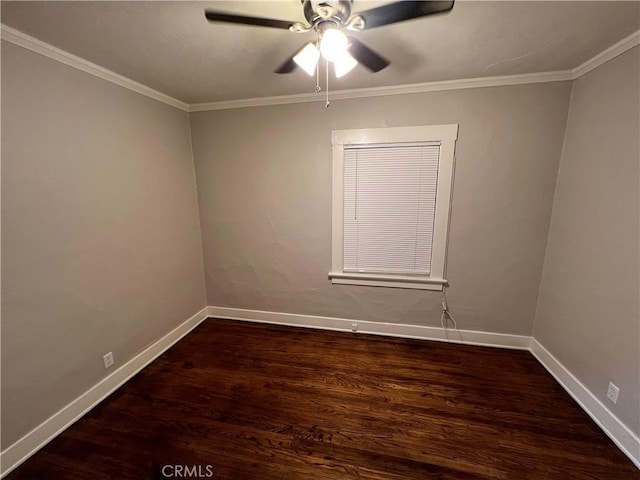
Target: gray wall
[101, 248]
[588, 315]
[264, 191]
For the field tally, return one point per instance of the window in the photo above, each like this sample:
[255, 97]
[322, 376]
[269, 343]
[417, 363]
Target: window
[391, 198]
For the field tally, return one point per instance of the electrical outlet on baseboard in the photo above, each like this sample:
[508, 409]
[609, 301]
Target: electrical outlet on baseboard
[108, 360]
[612, 392]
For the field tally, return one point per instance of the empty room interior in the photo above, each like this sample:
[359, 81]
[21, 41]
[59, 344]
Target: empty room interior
[306, 239]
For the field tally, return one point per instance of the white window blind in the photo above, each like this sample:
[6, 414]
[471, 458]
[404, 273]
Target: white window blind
[389, 207]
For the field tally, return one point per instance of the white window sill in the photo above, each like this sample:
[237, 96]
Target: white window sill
[381, 280]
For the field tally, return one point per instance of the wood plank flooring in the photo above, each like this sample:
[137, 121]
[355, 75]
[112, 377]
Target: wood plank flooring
[243, 401]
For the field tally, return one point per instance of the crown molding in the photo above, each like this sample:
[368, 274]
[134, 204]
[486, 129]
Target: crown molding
[23, 40]
[541, 77]
[606, 55]
[498, 81]
[26, 41]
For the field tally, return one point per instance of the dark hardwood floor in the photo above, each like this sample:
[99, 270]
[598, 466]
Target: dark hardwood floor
[243, 401]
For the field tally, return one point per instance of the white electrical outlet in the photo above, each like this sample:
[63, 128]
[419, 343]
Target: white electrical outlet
[108, 359]
[612, 393]
[354, 327]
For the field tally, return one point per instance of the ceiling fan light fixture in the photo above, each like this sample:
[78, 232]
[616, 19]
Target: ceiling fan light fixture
[330, 19]
[307, 58]
[343, 64]
[333, 44]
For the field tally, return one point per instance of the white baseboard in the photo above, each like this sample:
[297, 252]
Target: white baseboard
[420, 332]
[17, 453]
[621, 435]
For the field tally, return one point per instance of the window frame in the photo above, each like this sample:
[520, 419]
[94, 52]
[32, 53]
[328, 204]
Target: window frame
[446, 135]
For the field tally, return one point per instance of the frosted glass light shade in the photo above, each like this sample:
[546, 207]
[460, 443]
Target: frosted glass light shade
[343, 64]
[307, 58]
[333, 44]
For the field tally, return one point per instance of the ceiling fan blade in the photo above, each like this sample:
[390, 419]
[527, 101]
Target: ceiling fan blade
[214, 16]
[288, 66]
[366, 56]
[401, 11]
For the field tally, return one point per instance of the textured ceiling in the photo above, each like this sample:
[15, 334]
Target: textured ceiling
[169, 46]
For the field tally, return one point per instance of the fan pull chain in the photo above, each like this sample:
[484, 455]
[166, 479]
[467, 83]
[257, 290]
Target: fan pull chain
[318, 89]
[327, 77]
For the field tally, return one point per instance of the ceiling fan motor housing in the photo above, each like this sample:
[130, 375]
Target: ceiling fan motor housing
[317, 11]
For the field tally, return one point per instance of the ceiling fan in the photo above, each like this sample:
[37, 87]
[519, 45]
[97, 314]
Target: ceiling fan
[330, 19]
